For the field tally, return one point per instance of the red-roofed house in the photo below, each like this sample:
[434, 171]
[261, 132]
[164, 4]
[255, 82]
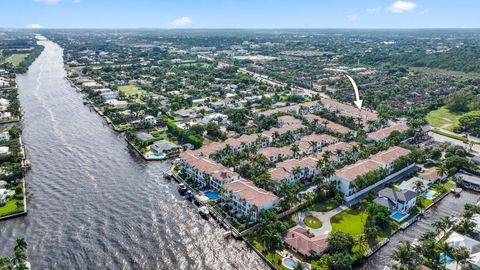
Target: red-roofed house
[382, 134]
[246, 199]
[302, 241]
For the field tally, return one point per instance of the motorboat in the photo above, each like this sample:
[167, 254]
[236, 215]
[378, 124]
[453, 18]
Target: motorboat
[182, 189]
[203, 211]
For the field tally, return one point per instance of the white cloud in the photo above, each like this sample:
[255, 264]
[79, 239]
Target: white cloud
[76, 1]
[48, 1]
[183, 21]
[374, 10]
[35, 26]
[401, 6]
[352, 17]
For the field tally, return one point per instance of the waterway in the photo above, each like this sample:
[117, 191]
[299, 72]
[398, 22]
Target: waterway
[93, 203]
[451, 206]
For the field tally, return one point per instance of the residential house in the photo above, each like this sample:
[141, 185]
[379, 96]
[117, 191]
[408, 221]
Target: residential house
[279, 175]
[150, 120]
[397, 200]
[274, 154]
[384, 133]
[3, 196]
[431, 174]
[246, 199]
[288, 120]
[383, 160]
[219, 118]
[307, 167]
[457, 241]
[328, 124]
[165, 147]
[4, 136]
[121, 104]
[304, 242]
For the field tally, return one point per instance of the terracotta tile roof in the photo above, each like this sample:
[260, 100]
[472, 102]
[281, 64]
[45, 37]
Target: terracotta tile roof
[383, 133]
[430, 174]
[207, 166]
[289, 120]
[351, 109]
[290, 164]
[342, 146]
[330, 125]
[275, 151]
[242, 139]
[299, 239]
[207, 150]
[374, 162]
[351, 172]
[250, 193]
[278, 174]
[282, 130]
[390, 155]
[319, 138]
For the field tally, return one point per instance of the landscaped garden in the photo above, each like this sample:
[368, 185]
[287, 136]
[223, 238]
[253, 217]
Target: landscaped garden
[11, 207]
[312, 222]
[349, 221]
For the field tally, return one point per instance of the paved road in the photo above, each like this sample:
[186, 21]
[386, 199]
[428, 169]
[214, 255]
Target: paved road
[324, 217]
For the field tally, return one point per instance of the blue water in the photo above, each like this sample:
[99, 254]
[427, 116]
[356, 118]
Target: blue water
[398, 216]
[212, 195]
[429, 194]
[290, 263]
[445, 258]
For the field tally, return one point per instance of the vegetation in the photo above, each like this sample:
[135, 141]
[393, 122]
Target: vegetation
[312, 222]
[19, 260]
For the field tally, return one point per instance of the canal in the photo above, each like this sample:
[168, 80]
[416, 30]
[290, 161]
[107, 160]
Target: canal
[451, 206]
[93, 203]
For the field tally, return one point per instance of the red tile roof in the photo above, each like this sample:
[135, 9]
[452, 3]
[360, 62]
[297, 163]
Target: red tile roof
[301, 240]
[250, 193]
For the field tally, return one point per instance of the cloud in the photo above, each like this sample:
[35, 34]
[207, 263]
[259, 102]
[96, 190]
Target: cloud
[183, 21]
[76, 1]
[374, 10]
[401, 6]
[35, 26]
[352, 17]
[48, 1]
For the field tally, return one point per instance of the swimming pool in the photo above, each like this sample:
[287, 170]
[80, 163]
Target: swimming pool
[445, 258]
[399, 216]
[290, 263]
[212, 195]
[429, 194]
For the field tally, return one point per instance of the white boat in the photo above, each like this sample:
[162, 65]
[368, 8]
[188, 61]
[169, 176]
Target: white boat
[203, 211]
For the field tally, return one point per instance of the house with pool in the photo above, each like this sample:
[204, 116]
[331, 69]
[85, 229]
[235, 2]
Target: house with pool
[206, 172]
[398, 201]
[347, 176]
[245, 199]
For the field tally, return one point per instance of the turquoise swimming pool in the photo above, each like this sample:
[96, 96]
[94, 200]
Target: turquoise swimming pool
[398, 216]
[430, 194]
[290, 263]
[446, 259]
[212, 195]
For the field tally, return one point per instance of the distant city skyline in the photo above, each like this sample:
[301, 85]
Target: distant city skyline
[238, 14]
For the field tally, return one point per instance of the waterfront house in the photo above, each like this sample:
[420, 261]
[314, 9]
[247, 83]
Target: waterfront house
[397, 200]
[165, 147]
[431, 174]
[245, 199]
[305, 243]
[205, 172]
[456, 241]
[3, 196]
[120, 104]
[4, 136]
[4, 150]
[5, 115]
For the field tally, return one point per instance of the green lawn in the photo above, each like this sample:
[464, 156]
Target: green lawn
[131, 90]
[271, 256]
[312, 222]
[460, 138]
[349, 221]
[323, 206]
[10, 208]
[16, 59]
[442, 117]
[425, 202]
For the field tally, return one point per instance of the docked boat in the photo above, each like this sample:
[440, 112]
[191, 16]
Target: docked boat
[203, 211]
[182, 189]
[189, 194]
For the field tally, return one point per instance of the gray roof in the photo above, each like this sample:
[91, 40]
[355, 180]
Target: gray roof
[384, 201]
[163, 145]
[402, 196]
[143, 136]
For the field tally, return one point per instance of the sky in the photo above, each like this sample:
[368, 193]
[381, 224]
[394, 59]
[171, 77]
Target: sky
[239, 14]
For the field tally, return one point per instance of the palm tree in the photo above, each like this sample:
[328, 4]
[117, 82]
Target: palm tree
[461, 256]
[295, 149]
[442, 170]
[297, 171]
[406, 255]
[419, 186]
[446, 249]
[439, 226]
